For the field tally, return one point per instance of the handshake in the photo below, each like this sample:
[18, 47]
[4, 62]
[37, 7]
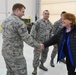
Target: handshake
[41, 48]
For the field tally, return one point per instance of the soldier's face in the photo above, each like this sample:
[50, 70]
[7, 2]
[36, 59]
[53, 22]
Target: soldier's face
[62, 16]
[21, 12]
[46, 14]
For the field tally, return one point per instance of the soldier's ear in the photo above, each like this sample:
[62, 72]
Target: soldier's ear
[17, 10]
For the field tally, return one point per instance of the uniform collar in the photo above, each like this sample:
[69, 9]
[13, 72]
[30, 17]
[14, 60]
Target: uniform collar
[45, 21]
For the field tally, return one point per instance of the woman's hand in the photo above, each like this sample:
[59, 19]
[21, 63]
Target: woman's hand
[41, 47]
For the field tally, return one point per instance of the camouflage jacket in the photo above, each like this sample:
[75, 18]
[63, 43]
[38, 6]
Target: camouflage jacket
[57, 25]
[41, 31]
[14, 33]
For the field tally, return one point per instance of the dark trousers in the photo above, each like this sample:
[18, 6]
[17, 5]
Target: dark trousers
[72, 73]
[70, 68]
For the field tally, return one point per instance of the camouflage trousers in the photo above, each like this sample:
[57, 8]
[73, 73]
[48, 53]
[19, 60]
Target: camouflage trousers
[16, 67]
[54, 52]
[39, 56]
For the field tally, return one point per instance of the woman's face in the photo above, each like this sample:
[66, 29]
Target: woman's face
[66, 22]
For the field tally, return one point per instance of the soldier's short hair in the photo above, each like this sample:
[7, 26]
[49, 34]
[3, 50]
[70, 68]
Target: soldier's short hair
[46, 11]
[63, 12]
[18, 5]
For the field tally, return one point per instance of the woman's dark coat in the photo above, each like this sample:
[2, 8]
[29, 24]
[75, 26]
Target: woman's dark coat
[59, 39]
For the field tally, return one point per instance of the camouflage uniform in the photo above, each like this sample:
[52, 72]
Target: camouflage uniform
[57, 25]
[41, 31]
[14, 33]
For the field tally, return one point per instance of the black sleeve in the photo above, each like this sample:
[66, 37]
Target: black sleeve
[53, 40]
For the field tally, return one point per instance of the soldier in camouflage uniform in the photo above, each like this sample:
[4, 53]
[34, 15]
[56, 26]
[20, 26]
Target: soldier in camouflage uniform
[14, 33]
[57, 25]
[41, 31]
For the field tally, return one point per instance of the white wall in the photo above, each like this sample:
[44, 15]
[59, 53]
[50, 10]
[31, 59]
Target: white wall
[2, 10]
[6, 8]
[57, 6]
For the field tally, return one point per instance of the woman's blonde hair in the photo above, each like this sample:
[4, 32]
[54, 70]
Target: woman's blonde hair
[70, 17]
